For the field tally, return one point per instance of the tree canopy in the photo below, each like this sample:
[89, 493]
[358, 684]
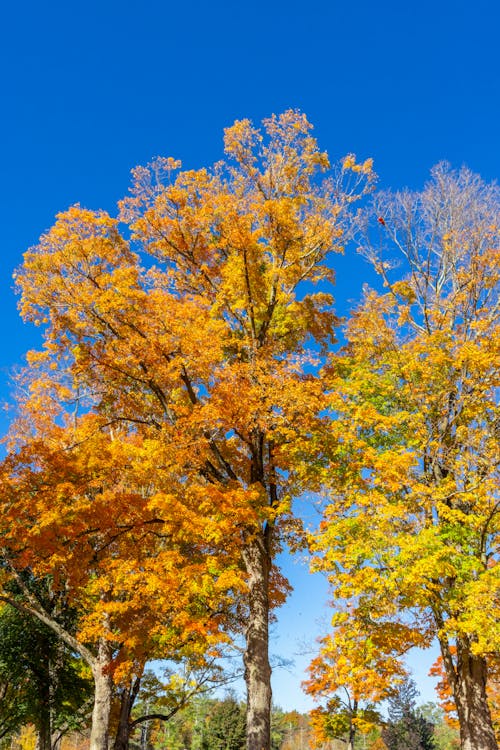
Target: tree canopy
[410, 536]
[189, 388]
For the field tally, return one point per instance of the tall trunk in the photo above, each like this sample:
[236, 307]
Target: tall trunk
[44, 718]
[256, 658]
[103, 684]
[476, 727]
[469, 691]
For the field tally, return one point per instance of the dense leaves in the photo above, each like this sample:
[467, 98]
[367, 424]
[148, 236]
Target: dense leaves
[180, 341]
[188, 390]
[42, 682]
[410, 536]
[225, 727]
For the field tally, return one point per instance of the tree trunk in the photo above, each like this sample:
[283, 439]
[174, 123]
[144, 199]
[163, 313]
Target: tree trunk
[256, 658]
[127, 699]
[44, 737]
[103, 684]
[44, 723]
[469, 691]
[352, 726]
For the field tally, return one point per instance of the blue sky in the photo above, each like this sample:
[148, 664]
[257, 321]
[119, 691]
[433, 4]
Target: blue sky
[89, 90]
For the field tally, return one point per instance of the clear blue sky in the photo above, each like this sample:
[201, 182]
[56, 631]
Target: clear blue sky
[91, 89]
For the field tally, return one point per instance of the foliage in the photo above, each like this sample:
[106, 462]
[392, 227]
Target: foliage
[284, 726]
[178, 406]
[445, 736]
[354, 672]
[410, 536]
[210, 722]
[42, 681]
[27, 738]
[225, 727]
[407, 729]
[176, 373]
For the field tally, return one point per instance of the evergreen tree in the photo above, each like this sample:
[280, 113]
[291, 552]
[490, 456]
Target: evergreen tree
[226, 726]
[407, 729]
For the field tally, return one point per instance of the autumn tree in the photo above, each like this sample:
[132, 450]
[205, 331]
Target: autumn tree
[355, 670]
[77, 513]
[194, 331]
[410, 537]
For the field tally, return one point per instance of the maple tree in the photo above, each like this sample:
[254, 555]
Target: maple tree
[77, 513]
[189, 343]
[354, 671]
[410, 537]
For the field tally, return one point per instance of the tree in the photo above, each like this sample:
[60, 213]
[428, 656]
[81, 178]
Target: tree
[291, 730]
[354, 671]
[57, 491]
[286, 726]
[41, 680]
[446, 737]
[341, 719]
[225, 727]
[196, 337]
[161, 697]
[407, 729]
[410, 537]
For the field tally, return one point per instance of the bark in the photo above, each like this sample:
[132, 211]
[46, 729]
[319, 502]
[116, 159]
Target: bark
[476, 727]
[256, 658]
[127, 699]
[100, 664]
[468, 680]
[352, 727]
[103, 683]
[43, 721]
[44, 737]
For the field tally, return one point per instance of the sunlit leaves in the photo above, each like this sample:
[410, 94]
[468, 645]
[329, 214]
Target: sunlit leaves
[411, 534]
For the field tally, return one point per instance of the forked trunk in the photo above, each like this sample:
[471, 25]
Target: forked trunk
[103, 684]
[127, 699]
[257, 667]
[469, 691]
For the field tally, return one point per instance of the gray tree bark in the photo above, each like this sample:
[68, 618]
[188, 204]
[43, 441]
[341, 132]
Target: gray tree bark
[256, 657]
[99, 735]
